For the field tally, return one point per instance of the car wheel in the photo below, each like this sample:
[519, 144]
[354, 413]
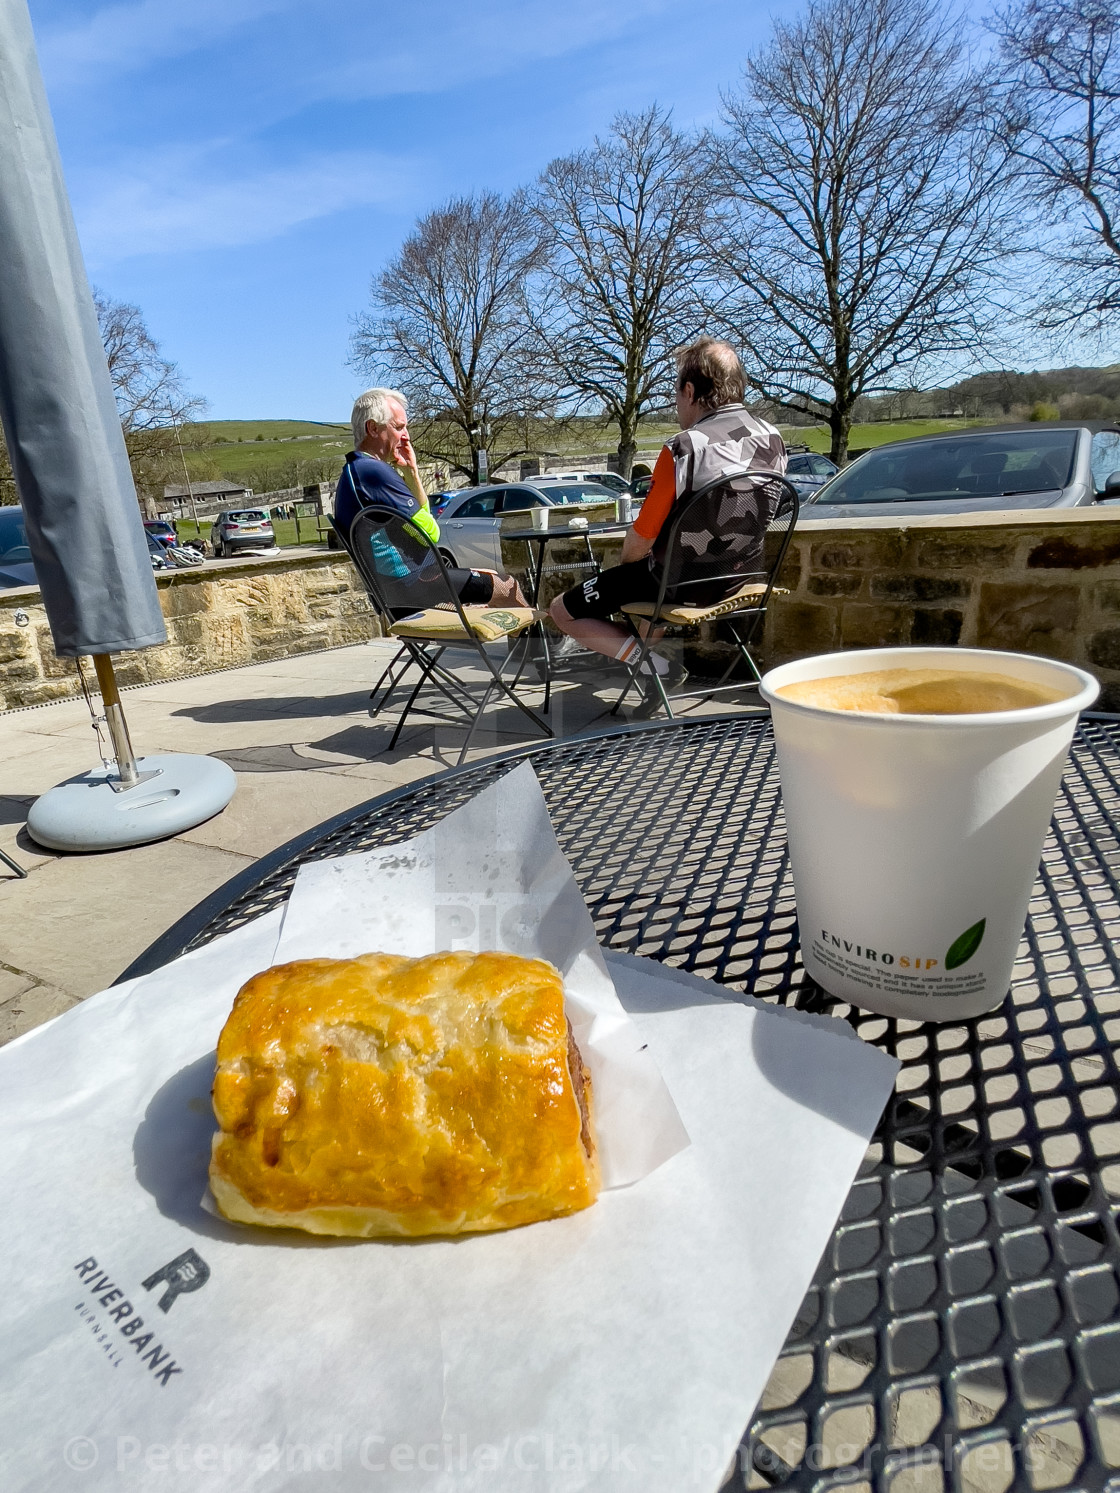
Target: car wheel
[219, 551]
[449, 558]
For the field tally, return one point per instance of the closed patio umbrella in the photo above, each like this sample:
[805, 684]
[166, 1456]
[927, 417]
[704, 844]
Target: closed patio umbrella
[72, 474]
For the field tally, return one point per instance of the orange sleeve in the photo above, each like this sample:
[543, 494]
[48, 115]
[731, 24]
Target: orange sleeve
[663, 489]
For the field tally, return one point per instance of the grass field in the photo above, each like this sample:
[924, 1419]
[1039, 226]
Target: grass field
[818, 438]
[593, 437]
[289, 453]
[289, 445]
[283, 528]
[231, 432]
[292, 453]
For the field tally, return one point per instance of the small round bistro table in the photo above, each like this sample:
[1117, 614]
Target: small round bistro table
[963, 1329]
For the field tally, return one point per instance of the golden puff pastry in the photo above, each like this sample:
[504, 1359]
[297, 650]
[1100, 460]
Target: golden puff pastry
[385, 1096]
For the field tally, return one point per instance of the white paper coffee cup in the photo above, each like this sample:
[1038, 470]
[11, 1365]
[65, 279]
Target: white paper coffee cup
[915, 839]
[539, 518]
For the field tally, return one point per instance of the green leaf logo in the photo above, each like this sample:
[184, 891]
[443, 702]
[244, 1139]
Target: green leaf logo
[965, 946]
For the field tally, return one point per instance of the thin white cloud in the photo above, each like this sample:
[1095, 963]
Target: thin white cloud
[324, 49]
[173, 204]
[130, 37]
[482, 41]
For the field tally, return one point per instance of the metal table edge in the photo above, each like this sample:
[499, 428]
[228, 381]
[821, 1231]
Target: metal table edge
[173, 941]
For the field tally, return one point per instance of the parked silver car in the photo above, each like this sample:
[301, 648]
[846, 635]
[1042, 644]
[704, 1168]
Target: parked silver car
[242, 529]
[616, 483]
[1056, 464]
[470, 523]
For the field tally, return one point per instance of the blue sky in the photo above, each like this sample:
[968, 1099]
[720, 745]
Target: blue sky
[239, 168]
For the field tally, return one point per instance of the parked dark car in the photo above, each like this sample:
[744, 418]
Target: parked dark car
[242, 529]
[807, 471]
[612, 480]
[160, 529]
[16, 568]
[158, 553]
[1051, 464]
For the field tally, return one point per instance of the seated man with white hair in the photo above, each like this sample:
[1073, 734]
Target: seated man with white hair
[382, 470]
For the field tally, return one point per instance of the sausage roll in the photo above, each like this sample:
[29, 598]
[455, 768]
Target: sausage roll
[385, 1096]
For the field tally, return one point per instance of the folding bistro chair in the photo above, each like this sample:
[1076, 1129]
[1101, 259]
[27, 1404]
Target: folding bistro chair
[407, 580]
[712, 571]
[401, 661]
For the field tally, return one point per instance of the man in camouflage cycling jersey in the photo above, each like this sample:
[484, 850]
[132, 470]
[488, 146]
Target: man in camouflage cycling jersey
[718, 435]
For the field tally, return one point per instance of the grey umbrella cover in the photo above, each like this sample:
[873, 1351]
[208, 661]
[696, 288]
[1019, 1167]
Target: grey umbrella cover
[56, 399]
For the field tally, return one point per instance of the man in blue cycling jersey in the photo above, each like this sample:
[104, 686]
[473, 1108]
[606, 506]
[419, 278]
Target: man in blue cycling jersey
[382, 469]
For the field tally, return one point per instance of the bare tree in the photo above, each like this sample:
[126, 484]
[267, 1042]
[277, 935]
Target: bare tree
[151, 397]
[861, 223]
[155, 408]
[149, 390]
[624, 223]
[447, 327]
[1061, 123]
[295, 472]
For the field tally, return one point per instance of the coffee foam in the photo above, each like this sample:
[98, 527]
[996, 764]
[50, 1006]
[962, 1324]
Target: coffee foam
[921, 692]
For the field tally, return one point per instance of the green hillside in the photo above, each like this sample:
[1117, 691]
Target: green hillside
[230, 432]
[877, 433]
[267, 454]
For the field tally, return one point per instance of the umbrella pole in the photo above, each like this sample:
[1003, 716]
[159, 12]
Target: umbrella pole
[114, 717]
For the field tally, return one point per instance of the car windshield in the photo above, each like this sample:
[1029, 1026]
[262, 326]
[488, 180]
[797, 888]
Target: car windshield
[247, 516]
[578, 492]
[1000, 464]
[13, 538]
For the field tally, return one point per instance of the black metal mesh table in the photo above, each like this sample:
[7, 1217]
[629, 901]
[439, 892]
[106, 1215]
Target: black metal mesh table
[963, 1329]
[540, 539]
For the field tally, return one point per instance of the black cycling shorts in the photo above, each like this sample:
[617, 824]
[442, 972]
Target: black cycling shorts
[608, 592]
[473, 587]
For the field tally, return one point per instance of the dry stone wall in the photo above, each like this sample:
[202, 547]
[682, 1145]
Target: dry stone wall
[217, 618]
[1030, 583]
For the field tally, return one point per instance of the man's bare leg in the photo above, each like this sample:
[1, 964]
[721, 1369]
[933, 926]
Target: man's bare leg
[601, 637]
[507, 593]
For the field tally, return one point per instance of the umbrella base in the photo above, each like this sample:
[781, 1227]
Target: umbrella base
[93, 812]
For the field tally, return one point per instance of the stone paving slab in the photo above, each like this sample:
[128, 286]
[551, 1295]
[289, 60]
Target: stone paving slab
[299, 737]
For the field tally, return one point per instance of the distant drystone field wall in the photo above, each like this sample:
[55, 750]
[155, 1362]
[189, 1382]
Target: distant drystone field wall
[246, 613]
[1046, 583]
[1029, 583]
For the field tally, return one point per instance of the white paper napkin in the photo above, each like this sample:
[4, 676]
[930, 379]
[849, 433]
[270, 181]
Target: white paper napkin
[620, 1349]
